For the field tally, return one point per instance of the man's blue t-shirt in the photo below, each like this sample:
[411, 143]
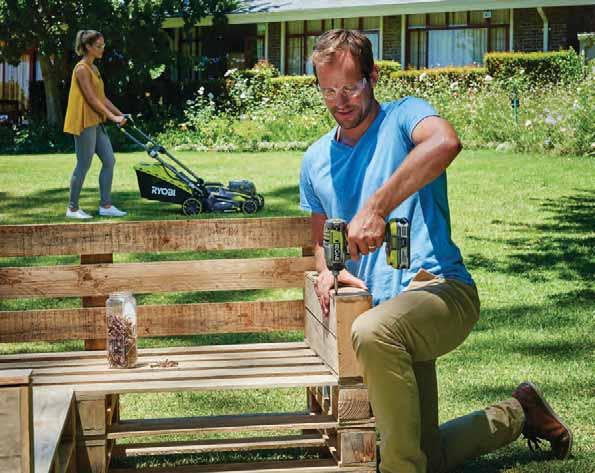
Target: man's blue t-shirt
[337, 180]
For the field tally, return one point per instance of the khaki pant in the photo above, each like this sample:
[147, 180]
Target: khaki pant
[397, 343]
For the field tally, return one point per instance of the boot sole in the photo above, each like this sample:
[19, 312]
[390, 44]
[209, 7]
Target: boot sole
[554, 415]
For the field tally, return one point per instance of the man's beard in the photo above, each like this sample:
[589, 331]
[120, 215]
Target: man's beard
[357, 119]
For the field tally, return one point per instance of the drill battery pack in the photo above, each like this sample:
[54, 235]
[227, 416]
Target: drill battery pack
[397, 237]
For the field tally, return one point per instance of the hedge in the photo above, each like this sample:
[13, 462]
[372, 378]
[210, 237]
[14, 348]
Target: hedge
[537, 68]
[386, 68]
[464, 75]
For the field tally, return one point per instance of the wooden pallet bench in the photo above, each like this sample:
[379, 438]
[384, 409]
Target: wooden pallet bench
[71, 418]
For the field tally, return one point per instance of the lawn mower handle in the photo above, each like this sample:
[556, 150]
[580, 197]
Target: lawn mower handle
[156, 147]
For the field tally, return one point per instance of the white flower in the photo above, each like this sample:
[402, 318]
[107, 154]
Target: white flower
[528, 123]
[242, 95]
[229, 72]
[454, 85]
[550, 120]
[488, 78]
[211, 96]
[201, 90]
[575, 105]
[423, 76]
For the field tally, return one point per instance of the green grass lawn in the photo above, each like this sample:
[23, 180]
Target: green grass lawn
[525, 225]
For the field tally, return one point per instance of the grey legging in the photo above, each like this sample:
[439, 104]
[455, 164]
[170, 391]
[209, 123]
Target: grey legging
[92, 140]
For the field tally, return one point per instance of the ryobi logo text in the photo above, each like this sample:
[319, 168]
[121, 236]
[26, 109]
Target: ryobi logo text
[163, 191]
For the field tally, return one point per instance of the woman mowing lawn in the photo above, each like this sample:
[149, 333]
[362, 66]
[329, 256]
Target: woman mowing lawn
[88, 108]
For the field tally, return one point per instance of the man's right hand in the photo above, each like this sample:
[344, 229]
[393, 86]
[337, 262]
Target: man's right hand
[325, 283]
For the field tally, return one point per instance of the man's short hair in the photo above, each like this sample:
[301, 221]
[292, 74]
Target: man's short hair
[339, 40]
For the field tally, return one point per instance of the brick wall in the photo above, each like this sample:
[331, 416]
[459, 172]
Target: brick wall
[528, 30]
[564, 24]
[275, 44]
[391, 38]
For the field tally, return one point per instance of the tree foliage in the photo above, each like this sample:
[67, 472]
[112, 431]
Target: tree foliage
[137, 46]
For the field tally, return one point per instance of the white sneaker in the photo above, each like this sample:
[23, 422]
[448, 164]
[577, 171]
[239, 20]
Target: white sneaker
[80, 214]
[112, 211]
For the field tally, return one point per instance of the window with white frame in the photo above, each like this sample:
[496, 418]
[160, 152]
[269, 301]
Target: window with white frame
[301, 37]
[455, 38]
[261, 29]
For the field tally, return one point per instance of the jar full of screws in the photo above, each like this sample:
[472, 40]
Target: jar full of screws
[121, 330]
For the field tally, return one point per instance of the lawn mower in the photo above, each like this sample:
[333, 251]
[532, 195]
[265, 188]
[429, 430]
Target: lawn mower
[162, 181]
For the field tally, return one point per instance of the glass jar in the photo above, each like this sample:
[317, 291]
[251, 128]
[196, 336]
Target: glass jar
[121, 330]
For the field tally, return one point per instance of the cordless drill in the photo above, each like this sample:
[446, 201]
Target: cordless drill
[396, 237]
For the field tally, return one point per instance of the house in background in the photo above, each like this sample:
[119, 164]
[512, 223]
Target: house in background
[417, 33]
[15, 86]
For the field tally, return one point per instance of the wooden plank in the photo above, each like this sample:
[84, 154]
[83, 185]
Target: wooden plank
[139, 278]
[357, 447]
[289, 348]
[83, 390]
[345, 309]
[164, 374]
[16, 435]
[322, 341]
[349, 294]
[219, 445]
[324, 465]
[15, 377]
[238, 423]
[147, 359]
[51, 407]
[154, 320]
[93, 455]
[151, 236]
[62, 356]
[100, 342]
[144, 366]
[64, 456]
[353, 404]
[320, 330]
[92, 415]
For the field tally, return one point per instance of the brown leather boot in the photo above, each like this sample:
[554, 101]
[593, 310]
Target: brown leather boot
[541, 422]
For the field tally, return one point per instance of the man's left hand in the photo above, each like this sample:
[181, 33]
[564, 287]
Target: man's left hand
[365, 233]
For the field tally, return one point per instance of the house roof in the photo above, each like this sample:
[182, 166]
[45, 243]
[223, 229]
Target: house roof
[263, 11]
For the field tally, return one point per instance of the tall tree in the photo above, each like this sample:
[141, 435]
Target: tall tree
[132, 27]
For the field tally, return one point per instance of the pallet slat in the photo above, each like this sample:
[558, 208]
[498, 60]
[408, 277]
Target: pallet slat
[154, 320]
[150, 236]
[125, 376]
[92, 390]
[148, 356]
[220, 445]
[258, 422]
[182, 366]
[140, 278]
[51, 407]
[325, 465]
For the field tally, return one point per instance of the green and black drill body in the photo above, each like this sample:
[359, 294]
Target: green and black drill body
[396, 239]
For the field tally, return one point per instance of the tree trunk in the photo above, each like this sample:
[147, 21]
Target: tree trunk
[50, 74]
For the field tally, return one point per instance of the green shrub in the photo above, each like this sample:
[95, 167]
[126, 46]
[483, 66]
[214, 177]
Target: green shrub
[537, 68]
[464, 75]
[35, 137]
[294, 81]
[386, 68]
